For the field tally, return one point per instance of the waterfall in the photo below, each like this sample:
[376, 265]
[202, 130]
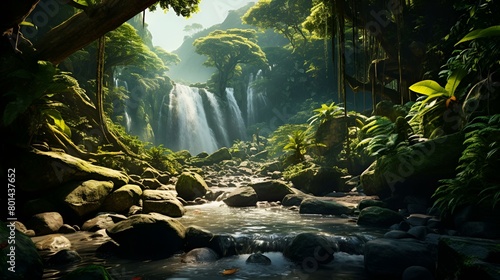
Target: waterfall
[128, 120]
[219, 118]
[235, 113]
[255, 100]
[187, 122]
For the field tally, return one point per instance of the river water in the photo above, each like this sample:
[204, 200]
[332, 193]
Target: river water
[265, 228]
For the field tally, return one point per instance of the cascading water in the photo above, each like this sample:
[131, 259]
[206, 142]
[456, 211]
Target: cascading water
[255, 100]
[187, 122]
[220, 120]
[237, 120]
[120, 83]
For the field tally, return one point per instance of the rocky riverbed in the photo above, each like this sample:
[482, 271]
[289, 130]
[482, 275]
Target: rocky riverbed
[222, 213]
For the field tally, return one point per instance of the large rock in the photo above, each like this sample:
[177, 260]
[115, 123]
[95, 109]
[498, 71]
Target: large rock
[45, 223]
[310, 250]
[242, 197]
[122, 199]
[318, 180]
[23, 262]
[170, 207]
[416, 171]
[85, 197]
[378, 217]
[273, 190]
[216, 157]
[197, 237]
[46, 170]
[388, 258]
[200, 255]
[468, 258]
[102, 221]
[191, 185]
[293, 199]
[324, 207]
[152, 235]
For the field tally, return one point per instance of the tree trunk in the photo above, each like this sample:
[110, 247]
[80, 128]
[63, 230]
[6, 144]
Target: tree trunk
[86, 27]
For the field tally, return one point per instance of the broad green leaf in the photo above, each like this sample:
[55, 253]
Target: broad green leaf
[58, 121]
[427, 87]
[454, 80]
[481, 33]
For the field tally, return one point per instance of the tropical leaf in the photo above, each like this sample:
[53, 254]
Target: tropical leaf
[481, 33]
[58, 120]
[454, 80]
[428, 87]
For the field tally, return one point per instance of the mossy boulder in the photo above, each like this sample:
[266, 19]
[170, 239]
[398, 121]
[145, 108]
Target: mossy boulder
[273, 190]
[324, 207]
[191, 185]
[378, 217]
[315, 179]
[309, 250]
[44, 171]
[216, 157]
[84, 197]
[122, 199]
[241, 197]
[152, 235]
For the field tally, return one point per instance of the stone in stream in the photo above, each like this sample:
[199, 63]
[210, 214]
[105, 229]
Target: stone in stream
[272, 190]
[191, 185]
[324, 207]
[241, 197]
[102, 221]
[45, 223]
[27, 262]
[53, 243]
[149, 235]
[390, 257]
[258, 258]
[162, 202]
[378, 217]
[197, 237]
[200, 255]
[310, 250]
[65, 256]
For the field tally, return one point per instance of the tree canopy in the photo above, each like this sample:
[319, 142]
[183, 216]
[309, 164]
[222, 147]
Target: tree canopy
[226, 49]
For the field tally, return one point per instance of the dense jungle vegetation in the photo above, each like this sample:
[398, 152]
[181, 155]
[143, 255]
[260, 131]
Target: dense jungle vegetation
[352, 85]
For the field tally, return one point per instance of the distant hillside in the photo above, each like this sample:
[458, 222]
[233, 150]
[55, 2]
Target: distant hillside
[191, 68]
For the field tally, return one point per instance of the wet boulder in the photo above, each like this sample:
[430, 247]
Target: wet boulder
[272, 190]
[45, 223]
[84, 197]
[63, 257]
[242, 197]
[122, 199]
[162, 202]
[197, 237]
[102, 221]
[389, 258]
[25, 260]
[318, 180]
[191, 185]
[200, 255]
[378, 217]
[324, 207]
[258, 258]
[310, 250]
[152, 235]
[53, 243]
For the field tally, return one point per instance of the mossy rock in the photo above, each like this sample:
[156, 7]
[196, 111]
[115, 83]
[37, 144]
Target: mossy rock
[191, 185]
[378, 217]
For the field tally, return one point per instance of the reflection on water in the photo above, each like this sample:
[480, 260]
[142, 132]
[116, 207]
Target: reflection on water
[256, 229]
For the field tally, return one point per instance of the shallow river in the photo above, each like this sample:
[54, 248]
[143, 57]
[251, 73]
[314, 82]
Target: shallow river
[264, 229]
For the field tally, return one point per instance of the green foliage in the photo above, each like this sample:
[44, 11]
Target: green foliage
[226, 50]
[477, 179]
[299, 143]
[326, 113]
[279, 138]
[181, 7]
[493, 31]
